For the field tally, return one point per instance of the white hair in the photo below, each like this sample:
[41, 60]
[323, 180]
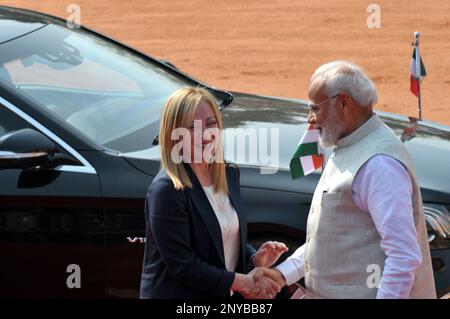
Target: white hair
[339, 76]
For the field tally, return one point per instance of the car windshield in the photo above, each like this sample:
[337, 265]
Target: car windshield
[108, 93]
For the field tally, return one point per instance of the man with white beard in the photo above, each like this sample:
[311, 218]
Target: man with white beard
[366, 215]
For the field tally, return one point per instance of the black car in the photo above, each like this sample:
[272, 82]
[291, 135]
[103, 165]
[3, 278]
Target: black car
[79, 118]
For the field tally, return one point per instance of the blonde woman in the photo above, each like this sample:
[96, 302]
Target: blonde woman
[196, 228]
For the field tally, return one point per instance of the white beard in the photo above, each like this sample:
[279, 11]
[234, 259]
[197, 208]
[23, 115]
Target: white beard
[331, 130]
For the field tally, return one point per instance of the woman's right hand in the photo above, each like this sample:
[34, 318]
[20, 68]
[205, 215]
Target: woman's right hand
[255, 285]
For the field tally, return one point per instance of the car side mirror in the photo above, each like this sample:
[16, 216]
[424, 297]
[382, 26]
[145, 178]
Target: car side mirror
[25, 148]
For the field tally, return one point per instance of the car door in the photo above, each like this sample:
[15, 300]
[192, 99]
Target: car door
[52, 238]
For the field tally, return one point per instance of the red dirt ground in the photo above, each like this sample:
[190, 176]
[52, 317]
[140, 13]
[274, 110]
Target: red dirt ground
[271, 47]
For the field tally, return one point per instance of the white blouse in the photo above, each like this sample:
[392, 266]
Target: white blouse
[229, 225]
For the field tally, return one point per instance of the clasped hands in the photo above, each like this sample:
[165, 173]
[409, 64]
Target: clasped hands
[262, 282]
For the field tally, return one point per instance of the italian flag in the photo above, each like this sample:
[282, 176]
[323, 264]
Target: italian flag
[307, 157]
[417, 71]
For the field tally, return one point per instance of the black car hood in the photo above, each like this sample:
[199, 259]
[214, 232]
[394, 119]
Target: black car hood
[430, 148]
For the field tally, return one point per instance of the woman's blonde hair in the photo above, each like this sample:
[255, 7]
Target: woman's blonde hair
[178, 112]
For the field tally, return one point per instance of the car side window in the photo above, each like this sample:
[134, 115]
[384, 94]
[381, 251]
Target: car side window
[10, 122]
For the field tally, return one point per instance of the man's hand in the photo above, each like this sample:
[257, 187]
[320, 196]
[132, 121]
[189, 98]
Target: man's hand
[268, 253]
[272, 273]
[255, 285]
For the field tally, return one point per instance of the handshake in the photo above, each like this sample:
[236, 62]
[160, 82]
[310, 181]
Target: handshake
[262, 282]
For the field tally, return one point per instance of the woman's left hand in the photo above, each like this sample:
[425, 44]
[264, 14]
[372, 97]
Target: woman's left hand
[268, 253]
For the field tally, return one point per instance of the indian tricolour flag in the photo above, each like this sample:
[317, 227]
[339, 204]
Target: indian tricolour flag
[307, 157]
[417, 71]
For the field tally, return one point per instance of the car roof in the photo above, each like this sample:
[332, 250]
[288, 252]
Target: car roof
[16, 22]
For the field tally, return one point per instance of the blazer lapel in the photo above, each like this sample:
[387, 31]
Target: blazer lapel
[206, 212]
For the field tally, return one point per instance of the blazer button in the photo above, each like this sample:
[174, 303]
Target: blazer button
[306, 267]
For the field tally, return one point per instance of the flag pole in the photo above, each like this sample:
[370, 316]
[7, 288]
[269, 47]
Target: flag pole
[416, 45]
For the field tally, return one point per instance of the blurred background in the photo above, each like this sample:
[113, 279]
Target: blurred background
[271, 47]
